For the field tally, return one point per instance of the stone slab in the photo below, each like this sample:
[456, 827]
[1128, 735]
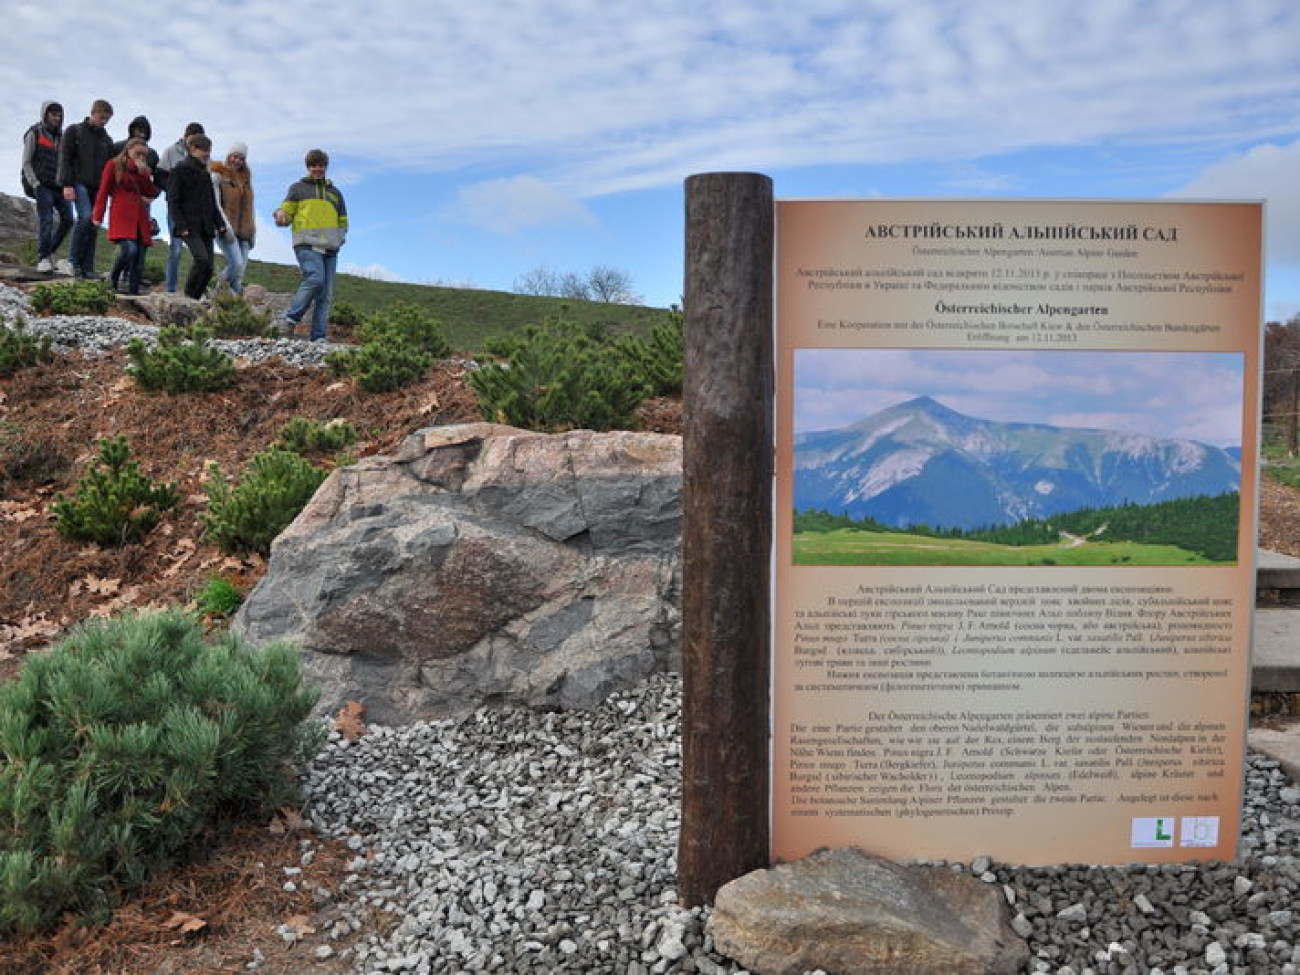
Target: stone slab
[1275, 660]
[1273, 570]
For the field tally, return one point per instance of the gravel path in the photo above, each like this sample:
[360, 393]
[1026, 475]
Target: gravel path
[515, 841]
[94, 335]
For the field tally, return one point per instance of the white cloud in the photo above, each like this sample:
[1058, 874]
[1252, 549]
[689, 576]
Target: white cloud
[517, 203]
[597, 98]
[1265, 172]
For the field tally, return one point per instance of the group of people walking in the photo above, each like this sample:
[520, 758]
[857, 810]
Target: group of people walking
[81, 168]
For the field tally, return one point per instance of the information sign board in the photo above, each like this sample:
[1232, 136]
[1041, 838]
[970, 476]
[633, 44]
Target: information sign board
[1015, 527]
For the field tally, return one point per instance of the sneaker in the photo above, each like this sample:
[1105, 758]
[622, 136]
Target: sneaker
[45, 265]
[90, 276]
[286, 327]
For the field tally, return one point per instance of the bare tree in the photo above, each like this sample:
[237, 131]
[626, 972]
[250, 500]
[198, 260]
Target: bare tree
[601, 283]
[612, 285]
[541, 280]
[574, 286]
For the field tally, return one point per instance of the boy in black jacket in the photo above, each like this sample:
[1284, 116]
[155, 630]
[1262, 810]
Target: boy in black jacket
[85, 149]
[193, 212]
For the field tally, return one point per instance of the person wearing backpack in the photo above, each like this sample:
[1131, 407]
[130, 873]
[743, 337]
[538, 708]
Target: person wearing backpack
[85, 148]
[40, 172]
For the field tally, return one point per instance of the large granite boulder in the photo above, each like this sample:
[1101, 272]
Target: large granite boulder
[482, 563]
[17, 217]
[847, 912]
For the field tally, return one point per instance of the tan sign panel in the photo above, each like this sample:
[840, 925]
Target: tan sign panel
[1014, 529]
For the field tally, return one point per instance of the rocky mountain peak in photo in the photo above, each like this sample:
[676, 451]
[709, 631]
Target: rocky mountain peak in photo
[920, 462]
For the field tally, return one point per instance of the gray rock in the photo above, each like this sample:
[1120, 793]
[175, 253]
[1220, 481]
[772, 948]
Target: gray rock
[482, 563]
[854, 914]
[17, 216]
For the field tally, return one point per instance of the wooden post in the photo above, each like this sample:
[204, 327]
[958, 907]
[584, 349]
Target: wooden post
[726, 531]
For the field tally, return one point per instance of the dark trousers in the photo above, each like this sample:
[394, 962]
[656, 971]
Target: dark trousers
[49, 203]
[130, 261]
[84, 234]
[196, 282]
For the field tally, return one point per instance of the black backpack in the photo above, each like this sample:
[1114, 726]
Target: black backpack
[28, 188]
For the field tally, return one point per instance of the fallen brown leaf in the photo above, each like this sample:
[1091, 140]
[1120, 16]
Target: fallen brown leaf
[184, 923]
[349, 723]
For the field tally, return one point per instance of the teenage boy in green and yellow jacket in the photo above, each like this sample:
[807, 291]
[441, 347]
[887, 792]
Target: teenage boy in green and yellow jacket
[314, 208]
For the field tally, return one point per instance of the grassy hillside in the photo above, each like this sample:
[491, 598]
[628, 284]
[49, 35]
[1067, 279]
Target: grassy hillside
[468, 316]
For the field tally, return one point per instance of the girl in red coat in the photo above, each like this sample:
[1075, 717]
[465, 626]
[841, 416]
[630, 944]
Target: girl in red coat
[129, 181]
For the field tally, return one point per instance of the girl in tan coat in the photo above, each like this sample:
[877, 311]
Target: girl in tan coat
[232, 181]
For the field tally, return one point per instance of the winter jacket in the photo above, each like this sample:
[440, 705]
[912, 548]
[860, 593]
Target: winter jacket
[170, 159]
[318, 215]
[191, 202]
[131, 191]
[141, 122]
[235, 197]
[41, 152]
[85, 149]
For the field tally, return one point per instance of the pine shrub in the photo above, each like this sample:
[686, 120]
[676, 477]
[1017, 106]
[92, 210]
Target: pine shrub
[72, 298]
[230, 316]
[246, 518]
[660, 358]
[345, 318]
[182, 361]
[382, 366]
[114, 504]
[127, 745]
[558, 377]
[19, 348]
[306, 436]
[404, 322]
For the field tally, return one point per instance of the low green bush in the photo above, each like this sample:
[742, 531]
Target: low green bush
[230, 316]
[382, 366]
[306, 436]
[114, 504]
[558, 377]
[181, 361]
[246, 518]
[72, 298]
[129, 743]
[218, 596]
[19, 348]
[404, 322]
[660, 358]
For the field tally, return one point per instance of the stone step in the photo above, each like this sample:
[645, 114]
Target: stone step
[1273, 570]
[1275, 661]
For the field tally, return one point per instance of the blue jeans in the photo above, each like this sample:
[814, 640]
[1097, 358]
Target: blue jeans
[130, 260]
[82, 249]
[48, 203]
[236, 254]
[174, 249]
[317, 289]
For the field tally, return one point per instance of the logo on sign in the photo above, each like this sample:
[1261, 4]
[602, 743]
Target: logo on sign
[1157, 831]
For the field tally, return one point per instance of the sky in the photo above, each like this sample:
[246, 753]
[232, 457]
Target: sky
[476, 142]
[1183, 395]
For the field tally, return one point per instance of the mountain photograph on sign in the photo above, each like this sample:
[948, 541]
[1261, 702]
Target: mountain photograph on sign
[920, 482]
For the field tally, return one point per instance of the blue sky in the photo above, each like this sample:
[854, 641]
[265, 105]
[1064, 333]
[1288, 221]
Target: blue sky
[476, 142]
[1189, 395]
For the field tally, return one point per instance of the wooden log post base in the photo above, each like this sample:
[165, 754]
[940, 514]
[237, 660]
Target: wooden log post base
[726, 531]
